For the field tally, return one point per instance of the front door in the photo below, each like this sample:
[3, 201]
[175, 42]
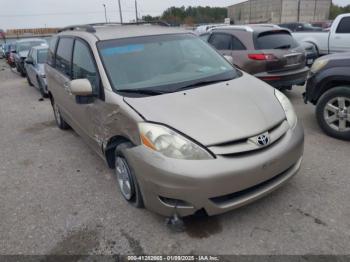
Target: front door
[84, 67]
[340, 38]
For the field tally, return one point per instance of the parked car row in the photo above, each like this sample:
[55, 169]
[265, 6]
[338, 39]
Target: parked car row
[29, 57]
[22, 48]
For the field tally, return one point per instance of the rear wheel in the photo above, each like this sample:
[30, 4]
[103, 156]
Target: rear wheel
[333, 112]
[59, 120]
[127, 181]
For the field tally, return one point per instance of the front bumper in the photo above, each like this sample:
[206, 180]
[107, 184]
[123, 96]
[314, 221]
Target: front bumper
[217, 185]
[310, 94]
[285, 78]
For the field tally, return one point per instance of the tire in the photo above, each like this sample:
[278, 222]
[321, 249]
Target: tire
[41, 88]
[333, 112]
[23, 73]
[128, 185]
[58, 118]
[29, 82]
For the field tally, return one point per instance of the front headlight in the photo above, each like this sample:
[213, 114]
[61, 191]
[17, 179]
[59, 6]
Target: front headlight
[318, 65]
[287, 107]
[170, 143]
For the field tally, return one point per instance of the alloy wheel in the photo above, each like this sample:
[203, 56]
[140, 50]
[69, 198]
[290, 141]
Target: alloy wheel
[57, 113]
[124, 178]
[337, 114]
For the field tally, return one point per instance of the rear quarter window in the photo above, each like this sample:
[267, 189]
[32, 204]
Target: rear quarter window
[275, 40]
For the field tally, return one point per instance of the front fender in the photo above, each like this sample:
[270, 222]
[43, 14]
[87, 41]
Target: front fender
[329, 78]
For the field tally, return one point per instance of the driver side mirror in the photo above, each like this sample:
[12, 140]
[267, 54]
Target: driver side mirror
[81, 87]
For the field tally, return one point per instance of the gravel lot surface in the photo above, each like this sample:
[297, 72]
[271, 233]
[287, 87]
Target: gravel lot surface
[58, 197]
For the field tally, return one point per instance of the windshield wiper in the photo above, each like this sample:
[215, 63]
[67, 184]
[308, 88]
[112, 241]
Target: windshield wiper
[283, 47]
[150, 92]
[202, 83]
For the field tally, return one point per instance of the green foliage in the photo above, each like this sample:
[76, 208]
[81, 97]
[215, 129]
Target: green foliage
[337, 10]
[192, 15]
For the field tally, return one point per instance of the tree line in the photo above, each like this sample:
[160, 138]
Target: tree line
[337, 10]
[190, 15]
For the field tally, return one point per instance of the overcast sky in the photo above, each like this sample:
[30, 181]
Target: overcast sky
[56, 13]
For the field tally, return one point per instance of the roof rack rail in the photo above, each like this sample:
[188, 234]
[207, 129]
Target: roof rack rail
[87, 28]
[90, 27]
[158, 22]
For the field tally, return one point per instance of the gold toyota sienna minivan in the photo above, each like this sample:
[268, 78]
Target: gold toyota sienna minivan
[183, 129]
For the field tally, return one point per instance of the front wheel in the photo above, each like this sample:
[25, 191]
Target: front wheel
[333, 112]
[41, 88]
[29, 82]
[59, 120]
[127, 181]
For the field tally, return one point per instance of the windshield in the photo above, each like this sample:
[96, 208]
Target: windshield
[26, 46]
[42, 56]
[275, 40]
[165, 63]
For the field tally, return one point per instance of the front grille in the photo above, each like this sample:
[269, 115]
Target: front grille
[247, 144]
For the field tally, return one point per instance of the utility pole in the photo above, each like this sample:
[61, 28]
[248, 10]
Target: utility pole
[105, 12]
[137, 19]
[120, 12]
[299, 4]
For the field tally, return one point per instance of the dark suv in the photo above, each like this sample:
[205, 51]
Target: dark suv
[268, 52]
[329, 89]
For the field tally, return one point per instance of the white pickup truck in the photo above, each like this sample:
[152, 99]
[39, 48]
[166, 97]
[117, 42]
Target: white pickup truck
[334, 41]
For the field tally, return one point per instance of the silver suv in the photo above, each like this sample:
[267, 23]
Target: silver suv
[183, 129]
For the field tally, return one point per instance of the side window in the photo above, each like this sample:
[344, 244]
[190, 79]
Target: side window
[83, 65]
[64, 55]
[51, 53]
[344, 26]
[237, 45]
[221, 41]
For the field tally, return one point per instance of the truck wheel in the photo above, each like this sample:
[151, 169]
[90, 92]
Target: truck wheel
[333, 112]
[127, 181]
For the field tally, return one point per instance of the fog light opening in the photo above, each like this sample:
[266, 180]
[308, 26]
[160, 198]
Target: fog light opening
[172, 202]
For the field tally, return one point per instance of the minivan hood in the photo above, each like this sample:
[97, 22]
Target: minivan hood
[218, 113]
